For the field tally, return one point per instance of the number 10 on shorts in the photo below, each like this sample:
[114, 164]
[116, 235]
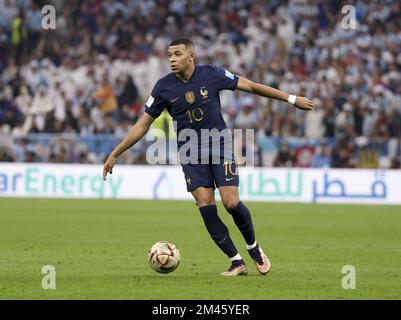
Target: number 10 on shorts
[230, 167]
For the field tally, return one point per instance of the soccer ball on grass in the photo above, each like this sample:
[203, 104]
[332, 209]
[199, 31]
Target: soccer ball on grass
[164, 257]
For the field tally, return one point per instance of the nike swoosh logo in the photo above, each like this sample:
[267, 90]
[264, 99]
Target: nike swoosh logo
[229, 179]
[174, 100]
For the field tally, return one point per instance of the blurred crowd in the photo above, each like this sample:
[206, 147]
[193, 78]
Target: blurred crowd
[92, 74]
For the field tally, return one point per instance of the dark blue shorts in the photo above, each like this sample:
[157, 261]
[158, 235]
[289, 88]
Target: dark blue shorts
[211, 175]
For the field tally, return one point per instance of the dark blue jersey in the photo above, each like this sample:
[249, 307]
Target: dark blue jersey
[194, 104]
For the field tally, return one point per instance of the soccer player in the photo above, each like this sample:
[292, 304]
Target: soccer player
[190, 93]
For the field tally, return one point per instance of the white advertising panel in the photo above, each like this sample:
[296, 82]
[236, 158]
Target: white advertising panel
[167, 182]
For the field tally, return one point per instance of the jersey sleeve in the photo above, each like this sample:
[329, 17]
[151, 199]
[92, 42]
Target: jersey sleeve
[155, 104]
[223, 79]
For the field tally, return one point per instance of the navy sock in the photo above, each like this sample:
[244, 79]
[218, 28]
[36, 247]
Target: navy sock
[243, 220]
[218, 230]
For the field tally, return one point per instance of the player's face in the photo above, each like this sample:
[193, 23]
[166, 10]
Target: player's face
[180, 58]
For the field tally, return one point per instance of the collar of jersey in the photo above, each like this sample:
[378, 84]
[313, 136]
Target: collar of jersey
[192, 76]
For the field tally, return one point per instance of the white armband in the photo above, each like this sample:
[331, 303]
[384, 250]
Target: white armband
[292, 99]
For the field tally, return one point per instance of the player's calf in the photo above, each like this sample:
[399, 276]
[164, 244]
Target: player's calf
[243, 221]
[218, 230]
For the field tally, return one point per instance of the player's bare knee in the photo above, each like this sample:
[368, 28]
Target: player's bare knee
[202, 201]
[230, 202]
[204, 198]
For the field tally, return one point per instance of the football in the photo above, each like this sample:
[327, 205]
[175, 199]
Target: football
[164, 257]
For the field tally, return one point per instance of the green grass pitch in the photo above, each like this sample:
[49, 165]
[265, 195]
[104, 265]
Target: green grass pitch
[99, 249]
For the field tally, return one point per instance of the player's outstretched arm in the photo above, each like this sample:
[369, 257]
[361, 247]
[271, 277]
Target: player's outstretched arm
[269, 92]
[134, 135]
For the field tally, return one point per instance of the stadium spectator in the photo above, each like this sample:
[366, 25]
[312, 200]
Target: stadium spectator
[105, 95]
[322, 158]
[19, 38]
[284, 157]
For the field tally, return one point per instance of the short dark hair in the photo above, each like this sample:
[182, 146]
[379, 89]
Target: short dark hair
[184, 41]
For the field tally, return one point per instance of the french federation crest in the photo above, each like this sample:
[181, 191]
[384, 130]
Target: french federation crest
[190, 97]
[204, 92]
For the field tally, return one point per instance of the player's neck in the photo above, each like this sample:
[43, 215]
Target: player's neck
[186, 75]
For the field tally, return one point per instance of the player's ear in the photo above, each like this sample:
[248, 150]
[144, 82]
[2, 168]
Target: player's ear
[192, 53]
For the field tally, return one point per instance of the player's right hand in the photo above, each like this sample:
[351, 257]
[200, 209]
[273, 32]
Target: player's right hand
[108, 166]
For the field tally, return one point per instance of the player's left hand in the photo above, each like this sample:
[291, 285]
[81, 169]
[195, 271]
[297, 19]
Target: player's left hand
[304, 104]
[108, 166]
